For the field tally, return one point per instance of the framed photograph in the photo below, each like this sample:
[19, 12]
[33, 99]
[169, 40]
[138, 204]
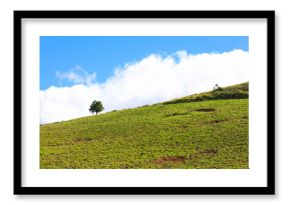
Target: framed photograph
[144, 102]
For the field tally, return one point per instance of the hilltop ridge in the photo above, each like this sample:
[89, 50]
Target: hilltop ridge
[239, 91]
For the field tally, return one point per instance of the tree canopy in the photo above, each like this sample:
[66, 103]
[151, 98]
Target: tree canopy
[96, 107]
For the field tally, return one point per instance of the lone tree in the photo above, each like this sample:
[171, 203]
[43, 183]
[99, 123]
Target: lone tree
[96, 107]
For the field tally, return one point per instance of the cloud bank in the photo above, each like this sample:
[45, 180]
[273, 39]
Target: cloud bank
[153, 79]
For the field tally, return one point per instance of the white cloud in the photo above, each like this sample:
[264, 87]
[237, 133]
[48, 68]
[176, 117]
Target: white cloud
[150, 80]
[77, 75]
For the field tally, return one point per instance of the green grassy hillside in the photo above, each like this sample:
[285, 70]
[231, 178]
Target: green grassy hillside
[207, 130]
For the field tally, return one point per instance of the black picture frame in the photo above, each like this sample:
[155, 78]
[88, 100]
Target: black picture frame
[21, 190]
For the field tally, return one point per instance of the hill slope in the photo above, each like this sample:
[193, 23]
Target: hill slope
[207, 130]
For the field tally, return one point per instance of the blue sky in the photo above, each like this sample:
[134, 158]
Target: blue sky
[103, 54]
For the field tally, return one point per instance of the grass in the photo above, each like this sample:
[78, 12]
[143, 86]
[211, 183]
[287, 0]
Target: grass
[187, 134]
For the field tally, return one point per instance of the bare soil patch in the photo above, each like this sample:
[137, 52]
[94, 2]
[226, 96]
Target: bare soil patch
[205, 109]
[176, 159]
